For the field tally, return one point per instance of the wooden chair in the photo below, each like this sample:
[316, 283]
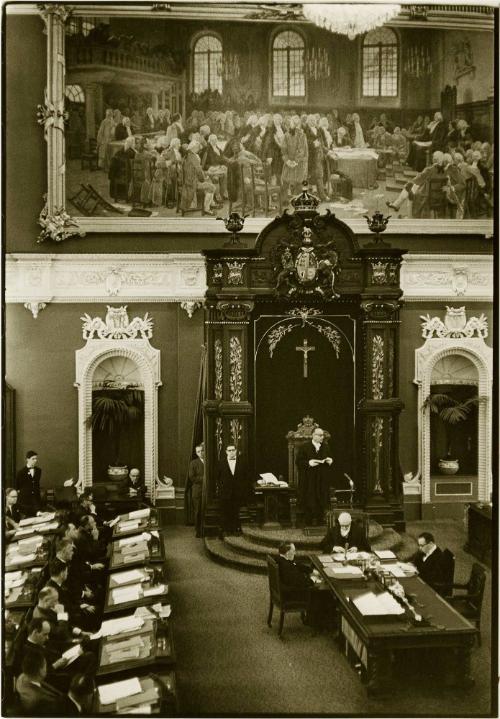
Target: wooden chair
[286, 602]
[470, 603]
[89, 155]
[471, 200]
[196, 205]
[263, 190]
[445, 587]
[437, 200]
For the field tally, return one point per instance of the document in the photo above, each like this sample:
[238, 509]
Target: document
[124, 655]
[129, 540]
[130, 593]
[128, 526]
[269, 478]
[73, 653]
[145, 613]
[44, 517]
[119, 644]
[23, 532]
[148, 696]
[394, 569]
[339, 572]
[385, 554]
[31, 542]
[21, 558]
[112, 522]
[135, 548]
[13, 583]
[384, 604]
[325, 558]
[159, 589]
[119, 626]
[129, 577]
[139, 513]
[46, 527]
[138, 709]
[110, 693]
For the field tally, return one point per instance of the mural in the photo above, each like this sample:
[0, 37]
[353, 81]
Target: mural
[168, 117]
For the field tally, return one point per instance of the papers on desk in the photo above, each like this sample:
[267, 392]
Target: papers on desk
[137, 546]
[13, 583]
[408, 568]
[130, 577]
[340, 572]
[110, 693]
[127, 526]
[353, 556]
[384, 604]
[112, 522]
[130, 593]
[325, 558]
[270, 480]
[144, 612]
[394, 569]
[73, 653]
[31, 542]
[119, 626]
[21, 558]
[385, 554]
[138, 709]
[129, 540]
[23, 532]
[44, 517]
[159, 589]
[46, 527]
[13, 576]
[139, 513]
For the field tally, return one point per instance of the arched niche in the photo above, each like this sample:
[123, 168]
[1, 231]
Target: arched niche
[459, 361]
[141, 363]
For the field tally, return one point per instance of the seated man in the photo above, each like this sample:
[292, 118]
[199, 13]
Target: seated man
[37, 697]
[429, 560]
[78, 701]
[12, 515]
[80, 613]
[62, 634]
[293, 575]
[135, 484]
[344, 535]
[77, 575]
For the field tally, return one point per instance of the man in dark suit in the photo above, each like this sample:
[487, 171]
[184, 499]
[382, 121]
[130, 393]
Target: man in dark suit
[28, 485]
[293, 575]
[343, 534]
[194, 484]
[313, 462]
[232, 485]
[429, 560]
[135, 483]
[37, 697]
[12, 515]
[78, 700]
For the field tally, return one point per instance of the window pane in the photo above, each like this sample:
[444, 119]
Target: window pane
[288, 65]
[380, 63]
[370, 71]
[207, 64]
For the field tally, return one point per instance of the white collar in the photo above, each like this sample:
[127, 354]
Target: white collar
[316, 444]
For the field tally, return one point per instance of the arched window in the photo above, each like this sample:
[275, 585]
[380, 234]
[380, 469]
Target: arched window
[74, 93]
[207, 64]
[288, 65]
[380, 63]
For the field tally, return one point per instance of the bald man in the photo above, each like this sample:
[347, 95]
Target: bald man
[344, 535]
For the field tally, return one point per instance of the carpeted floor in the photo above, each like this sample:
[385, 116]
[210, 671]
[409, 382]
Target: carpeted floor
[230, 663]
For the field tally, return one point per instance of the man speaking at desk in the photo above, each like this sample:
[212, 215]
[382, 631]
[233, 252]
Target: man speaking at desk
[314, 463]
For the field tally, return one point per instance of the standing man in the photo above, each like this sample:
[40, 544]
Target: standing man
[232, 485]
[28, 485]
[313, 463]
[196, 474]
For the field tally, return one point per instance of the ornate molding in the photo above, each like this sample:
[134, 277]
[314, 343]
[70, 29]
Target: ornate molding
[190, 307]
[235, 272]
[447, 277]
[455, 324]
[57, 226]
[48, 115]
[377, 367]
[35, 307]
[384, 273]
[236, 369]
[57, 10]
[237, 312]
[218, 388]
[117, 326]
[172, 277]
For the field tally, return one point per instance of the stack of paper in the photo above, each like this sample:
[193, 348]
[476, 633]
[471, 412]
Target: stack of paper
[45, 517]
[130, 577]
[46, 527]
[339, 572]
[128, 526]
[23, 532]
[73, 653]
[14, 559]
[394, 569]
[140, 513]
[121, 625]
[133, 539]
[14, 579]
[135, 548]
[159, 589]
[408, 568]
[130, 593]
[110, 693]
[325, 558]
[384, 604]
[385, 554]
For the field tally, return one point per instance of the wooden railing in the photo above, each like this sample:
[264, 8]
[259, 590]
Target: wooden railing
[112, 57]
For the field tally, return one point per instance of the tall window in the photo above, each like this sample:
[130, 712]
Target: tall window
[380, 63]
[288, 65]
[207, 65]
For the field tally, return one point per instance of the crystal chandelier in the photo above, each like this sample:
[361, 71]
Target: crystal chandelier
[350, 20]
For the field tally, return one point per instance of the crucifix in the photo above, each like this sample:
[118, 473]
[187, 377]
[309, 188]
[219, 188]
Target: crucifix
[305, 348]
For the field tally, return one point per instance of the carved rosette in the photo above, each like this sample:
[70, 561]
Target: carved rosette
[218, 368]
[377, 367]
[236, 369]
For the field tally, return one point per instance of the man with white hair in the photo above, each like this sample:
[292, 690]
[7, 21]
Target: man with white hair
[345, 536]
[418, 188]
[194, 180]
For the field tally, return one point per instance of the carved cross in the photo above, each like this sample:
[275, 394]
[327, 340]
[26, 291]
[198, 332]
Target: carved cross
[305, 348]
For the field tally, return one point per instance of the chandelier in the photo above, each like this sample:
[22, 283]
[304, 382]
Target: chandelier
[317, 63]
[349, 19]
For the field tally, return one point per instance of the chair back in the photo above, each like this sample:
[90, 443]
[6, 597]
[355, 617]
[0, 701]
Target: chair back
[273, 575]
[471, 197]
[448, 573]
[475, 589]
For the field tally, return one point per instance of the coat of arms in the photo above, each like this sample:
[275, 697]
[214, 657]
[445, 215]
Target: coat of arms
[306, 268]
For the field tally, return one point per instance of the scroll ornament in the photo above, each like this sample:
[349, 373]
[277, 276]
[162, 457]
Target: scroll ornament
[455, 325]
[117, 325]
[51, 115]
[58, 226]
[277, 333]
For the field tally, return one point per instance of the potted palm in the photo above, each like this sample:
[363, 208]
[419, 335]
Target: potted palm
[451, 411]
[112, 411]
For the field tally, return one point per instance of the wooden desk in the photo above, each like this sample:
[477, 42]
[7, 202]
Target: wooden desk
[375, 639]
[479, 532]
[272, 498]
[45, 528]
[158, 648]
[142, 601]
[41, 556]
[154, 552]
[24, 596]
[162, 683]
[146, 524]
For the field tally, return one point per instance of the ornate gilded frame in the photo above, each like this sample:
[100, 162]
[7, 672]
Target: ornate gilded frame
[56, 222]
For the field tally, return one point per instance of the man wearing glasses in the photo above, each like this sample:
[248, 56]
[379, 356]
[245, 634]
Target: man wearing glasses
[232, 484]
[429, 560]
[314, 461]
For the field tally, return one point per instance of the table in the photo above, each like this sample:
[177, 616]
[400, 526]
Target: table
[24, 596]
[41, 555]
[161, 687]
[479, 532]
[146, 524]
[158, 648]
[359, 165]
[137, 553]
[272, 497]
[375, 639]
